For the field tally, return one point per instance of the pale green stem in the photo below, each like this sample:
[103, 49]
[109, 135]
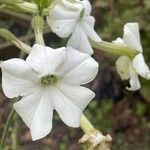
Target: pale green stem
[114, 49]
[6, 128]
[13, 39]
[86, 124]
[38, 26]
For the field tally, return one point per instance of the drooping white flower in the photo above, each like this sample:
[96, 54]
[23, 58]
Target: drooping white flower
[49, 79]
[96, 140]
[73, 18]
[130, 68]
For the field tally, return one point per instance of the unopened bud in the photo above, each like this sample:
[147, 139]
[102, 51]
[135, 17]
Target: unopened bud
[10, 37]
[96, 140]
[11, 2]
[27, 7]
[20, 5]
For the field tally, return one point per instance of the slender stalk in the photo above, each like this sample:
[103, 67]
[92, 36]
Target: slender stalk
[15, 132]
[6, 128]
[86, 124]
[114, 49]
[38, 26]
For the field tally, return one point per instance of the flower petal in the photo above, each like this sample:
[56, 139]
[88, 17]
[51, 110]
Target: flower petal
[90, 20]
[44, 59]
[68, 112]
[89, 30]
[141, 67]
[17, 78]
[134, 83]
[36, 110]
[131, 36]
[119, 41]
[79, 41]
[83, 71]
[63, 16]
[87, 6]
[73, 5]
[78, 95]
[73, 59]
[122, 65]
[63, 28]
[134, 80]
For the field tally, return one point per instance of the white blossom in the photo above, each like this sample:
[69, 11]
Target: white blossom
[130, 68]
[96, 140]
[49, 79]
[73, 18]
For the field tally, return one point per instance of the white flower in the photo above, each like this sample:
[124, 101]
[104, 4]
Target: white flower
[96, 140]
[127, 68]
[49, 79]
[73, 18]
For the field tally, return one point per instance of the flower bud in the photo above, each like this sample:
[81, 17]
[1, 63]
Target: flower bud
[96, 140]
[10, 37]
[20, 5]
[27, 7]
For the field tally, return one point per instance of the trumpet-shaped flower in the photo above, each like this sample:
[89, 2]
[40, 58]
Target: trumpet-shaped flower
[73, 18]
[130, 68]
[49, 79]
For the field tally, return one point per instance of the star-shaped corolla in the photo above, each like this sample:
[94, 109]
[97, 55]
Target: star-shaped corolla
[73, 18]
[130, 68]
[49, 79]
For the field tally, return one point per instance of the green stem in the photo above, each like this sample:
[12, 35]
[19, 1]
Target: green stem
[114, 49]
[15, 132]
[38, 26]
[13, 39]
[6, 129]
[86, 124]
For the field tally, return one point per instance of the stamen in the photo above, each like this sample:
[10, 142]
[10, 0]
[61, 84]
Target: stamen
[48, 80]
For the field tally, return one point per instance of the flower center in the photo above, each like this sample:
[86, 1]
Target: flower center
[48, 80]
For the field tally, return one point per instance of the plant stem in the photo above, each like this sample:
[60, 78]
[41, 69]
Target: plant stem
[38, 26]
[6, 129]
[114, 49]
[86, 124]
[15, 132]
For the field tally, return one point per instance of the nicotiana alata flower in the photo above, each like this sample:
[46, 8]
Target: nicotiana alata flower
[130, 68]
[73, 18]
[96, 140]
[49, 79]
